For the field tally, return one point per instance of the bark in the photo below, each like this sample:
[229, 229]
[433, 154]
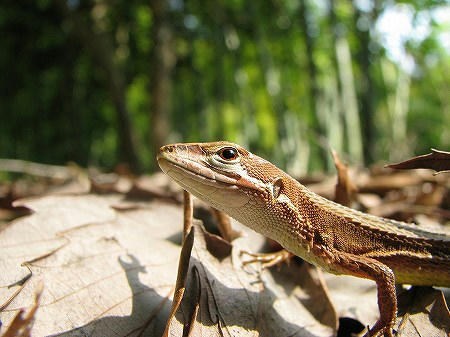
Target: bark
[101, 50]
[162, 62]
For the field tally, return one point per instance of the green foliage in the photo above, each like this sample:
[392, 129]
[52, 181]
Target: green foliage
[241, 73]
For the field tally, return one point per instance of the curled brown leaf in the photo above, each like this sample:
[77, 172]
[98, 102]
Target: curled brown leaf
[436, 160]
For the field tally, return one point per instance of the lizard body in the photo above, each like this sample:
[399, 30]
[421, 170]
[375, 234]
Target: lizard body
[334, 237]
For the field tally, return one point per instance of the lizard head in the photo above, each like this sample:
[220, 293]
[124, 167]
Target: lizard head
[222, 174]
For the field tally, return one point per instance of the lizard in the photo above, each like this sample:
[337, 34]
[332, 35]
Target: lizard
[336, 238]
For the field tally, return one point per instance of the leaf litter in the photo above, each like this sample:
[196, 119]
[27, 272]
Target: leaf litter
[108, 263]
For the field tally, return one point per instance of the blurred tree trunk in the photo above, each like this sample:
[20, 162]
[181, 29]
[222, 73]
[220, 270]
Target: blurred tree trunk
[399, 107]
[312, 76]
[75, 117]
[217, 128]
[351, 114]
[349, 104]
[162, 62]
[367, 93]
[335, 123]
[270, 71]
[101, 50]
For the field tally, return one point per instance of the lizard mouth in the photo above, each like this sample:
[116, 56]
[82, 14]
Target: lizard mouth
[182, 169]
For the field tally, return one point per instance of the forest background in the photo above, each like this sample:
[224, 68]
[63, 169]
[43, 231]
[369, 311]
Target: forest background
[100, 82]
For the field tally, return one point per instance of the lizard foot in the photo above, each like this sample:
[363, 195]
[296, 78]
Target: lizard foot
[380, 329]
[268, 259]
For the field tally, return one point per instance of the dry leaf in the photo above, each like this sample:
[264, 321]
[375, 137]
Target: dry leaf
[354, 298]
[380, 184]
[21, 324]
[109, 269]
[345, 190]
[158, 185]
[421, 308]
[223, 299]
[105, 272]
[224, 225]
[436, 160]
[422, 311]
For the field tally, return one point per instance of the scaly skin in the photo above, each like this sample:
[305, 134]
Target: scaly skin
[336, 238]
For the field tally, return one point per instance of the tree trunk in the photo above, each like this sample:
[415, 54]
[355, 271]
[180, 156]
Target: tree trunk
[162, 62]
[349, 104]
[400, 144]
[367, 94]
[312, 80]
[101, 50]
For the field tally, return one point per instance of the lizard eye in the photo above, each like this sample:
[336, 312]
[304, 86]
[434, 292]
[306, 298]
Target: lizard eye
[228, 153]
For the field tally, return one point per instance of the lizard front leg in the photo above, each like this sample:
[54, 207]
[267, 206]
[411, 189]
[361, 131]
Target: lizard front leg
[384, 277]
